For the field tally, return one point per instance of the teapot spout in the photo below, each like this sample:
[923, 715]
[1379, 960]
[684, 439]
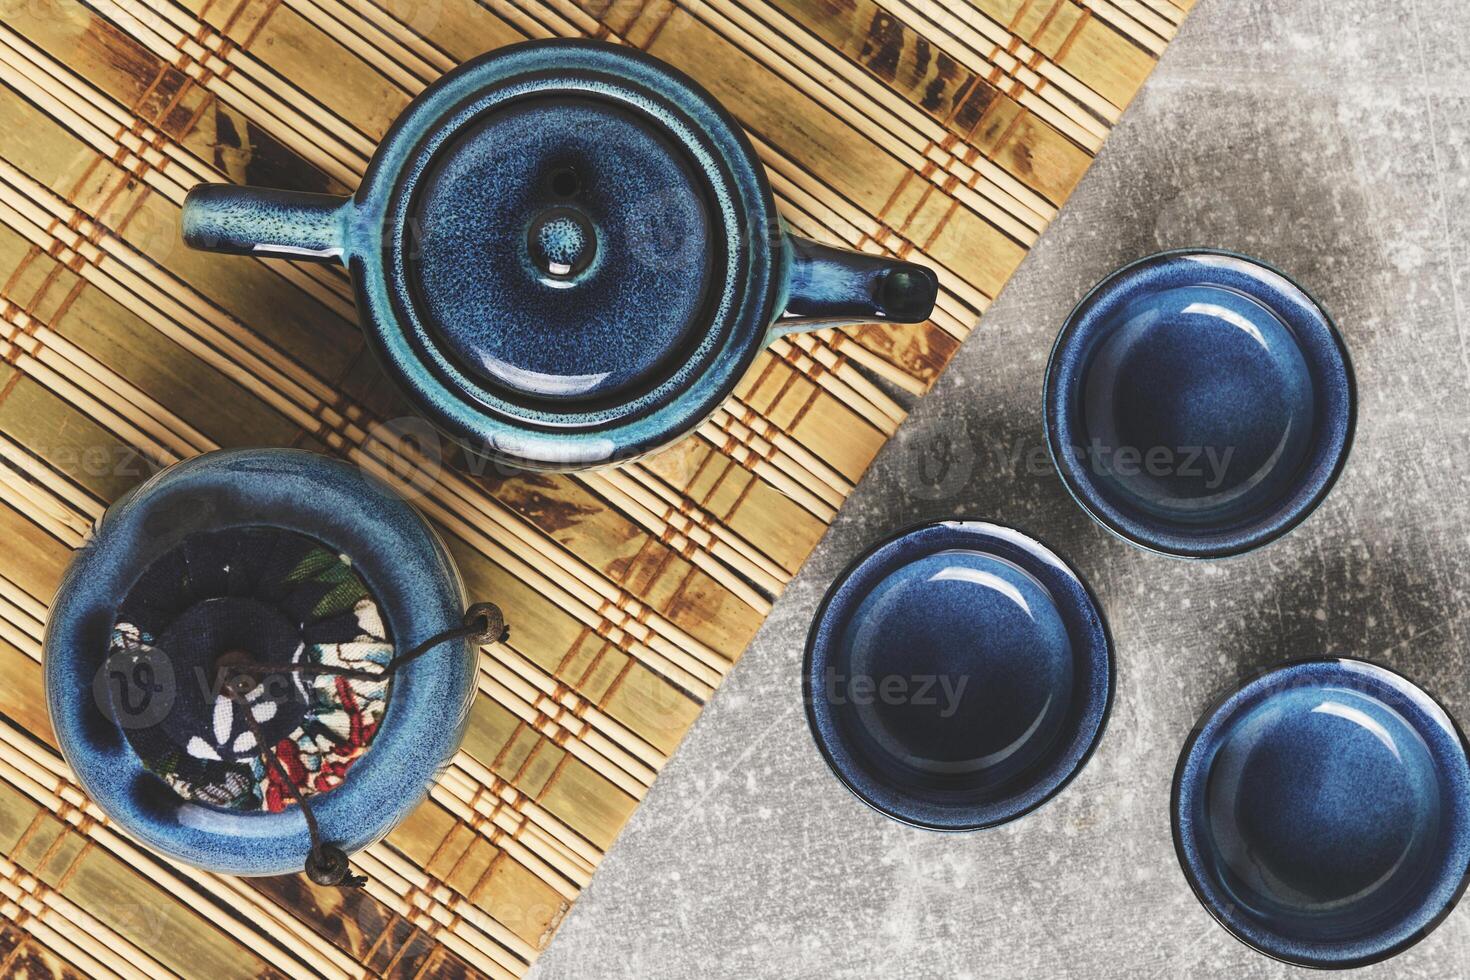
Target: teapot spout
[832, 286]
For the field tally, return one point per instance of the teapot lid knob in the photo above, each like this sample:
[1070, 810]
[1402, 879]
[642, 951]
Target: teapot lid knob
[562, 243]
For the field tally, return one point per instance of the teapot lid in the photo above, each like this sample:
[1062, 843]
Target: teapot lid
[564, 247]
[567, 252]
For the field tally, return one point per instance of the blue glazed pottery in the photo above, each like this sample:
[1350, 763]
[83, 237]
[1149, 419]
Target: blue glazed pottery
[1199, 403]
[566, 253]
[1321, 813]
[201, 549]
[957, 675]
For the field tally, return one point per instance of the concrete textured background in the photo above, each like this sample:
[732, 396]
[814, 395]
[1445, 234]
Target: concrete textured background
[1329, 137]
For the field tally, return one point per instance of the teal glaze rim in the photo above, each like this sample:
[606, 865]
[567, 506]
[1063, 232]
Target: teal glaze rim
[1219, 711]
[408, 569]
[1202, 547]
[1074, 598]
[758, 260]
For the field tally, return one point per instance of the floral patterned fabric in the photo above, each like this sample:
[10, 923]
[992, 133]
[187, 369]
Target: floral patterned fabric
[274, 597]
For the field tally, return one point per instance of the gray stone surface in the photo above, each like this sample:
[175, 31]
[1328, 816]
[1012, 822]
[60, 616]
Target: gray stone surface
[1330, 137]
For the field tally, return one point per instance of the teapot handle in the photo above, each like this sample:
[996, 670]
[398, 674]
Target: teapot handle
[259, 221]
[830, 286]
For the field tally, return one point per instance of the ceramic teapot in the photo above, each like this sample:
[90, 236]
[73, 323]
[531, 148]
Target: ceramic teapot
[567, 254]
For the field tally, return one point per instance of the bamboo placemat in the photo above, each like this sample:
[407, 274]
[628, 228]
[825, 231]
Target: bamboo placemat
[949, 132]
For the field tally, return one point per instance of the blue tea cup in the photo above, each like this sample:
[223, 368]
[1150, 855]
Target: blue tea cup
[1321, 813]
[1199, 403]
[957, 675]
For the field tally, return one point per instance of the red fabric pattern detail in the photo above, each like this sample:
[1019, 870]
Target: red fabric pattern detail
[334, 765]
[359, 733]
[278, 793]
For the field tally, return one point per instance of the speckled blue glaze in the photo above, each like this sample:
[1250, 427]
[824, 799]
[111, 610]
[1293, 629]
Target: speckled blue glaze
[567, 253]
[400, 559]
[1321, 813]
[1199, 403]
[957, 675]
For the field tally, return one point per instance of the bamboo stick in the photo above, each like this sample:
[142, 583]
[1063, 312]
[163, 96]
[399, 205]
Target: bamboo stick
[990, 51]
[70, 529]
[1158, 16]
[580, 750]
[731, 446]
[529, 808]
[821, 348]
[1134, 21]
[451, 902]
[62, 942]
[542, 866]
[635, 478]
[512, 831]
[481, 955]
[729, 425]
[55, 482]
[32, 609]
[981, 33]
[490, 950]
[875, 364]
[108, 947]
[423, 47]
[725, 568]
[18, 630]
[563, 695]
[529, 18]
[562, 719]
[393, 60]
[56, 353]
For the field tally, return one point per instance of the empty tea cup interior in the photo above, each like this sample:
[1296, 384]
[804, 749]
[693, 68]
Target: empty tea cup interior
[1322, 815]
[1199, 403]
[955, 680]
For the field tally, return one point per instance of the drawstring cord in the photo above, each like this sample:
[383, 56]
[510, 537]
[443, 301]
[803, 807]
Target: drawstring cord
[326, 863]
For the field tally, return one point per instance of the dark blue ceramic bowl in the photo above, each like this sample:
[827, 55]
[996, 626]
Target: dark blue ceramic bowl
[1199, 403]
[1322, 813]
[957, 676]
[396, 554]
